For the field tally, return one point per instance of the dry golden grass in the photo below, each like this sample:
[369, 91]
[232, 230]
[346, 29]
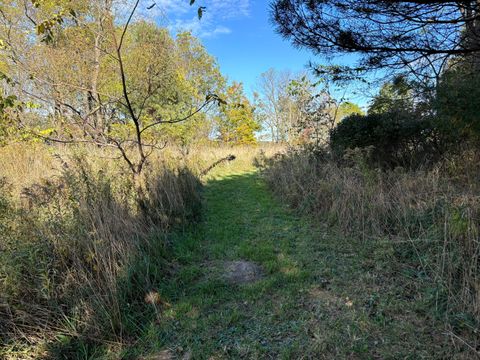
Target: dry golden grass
[26, 164]
[202, 157]
[23, 165]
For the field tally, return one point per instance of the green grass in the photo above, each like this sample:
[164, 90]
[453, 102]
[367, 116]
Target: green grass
[322, 296]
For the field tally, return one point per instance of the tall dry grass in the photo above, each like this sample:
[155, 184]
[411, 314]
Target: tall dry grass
[201, 157]
[431, 217]
[81, 242]
[26, 164]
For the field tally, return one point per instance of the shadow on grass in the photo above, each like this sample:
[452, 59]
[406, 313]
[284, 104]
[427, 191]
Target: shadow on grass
[84, 270]
[172, 268]
[209, 316]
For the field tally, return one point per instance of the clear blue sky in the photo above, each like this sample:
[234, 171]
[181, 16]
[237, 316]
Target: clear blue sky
[253, 47]
[239, 34]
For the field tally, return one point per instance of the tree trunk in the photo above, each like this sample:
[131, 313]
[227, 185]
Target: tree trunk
[95, 75]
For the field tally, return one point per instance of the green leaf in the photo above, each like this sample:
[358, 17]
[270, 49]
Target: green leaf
[5, 77]
[41, 28]
[47, 132]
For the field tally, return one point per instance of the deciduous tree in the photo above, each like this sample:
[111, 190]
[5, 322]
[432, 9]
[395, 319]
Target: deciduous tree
[100, 79]
[236, 120]
[276, 104]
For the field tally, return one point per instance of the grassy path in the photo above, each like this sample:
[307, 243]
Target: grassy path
[320, 296]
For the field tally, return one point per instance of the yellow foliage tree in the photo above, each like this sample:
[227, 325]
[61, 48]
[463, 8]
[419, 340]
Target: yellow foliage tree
[236, 120]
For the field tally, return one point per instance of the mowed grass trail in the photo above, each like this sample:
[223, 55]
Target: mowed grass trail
[320, 296]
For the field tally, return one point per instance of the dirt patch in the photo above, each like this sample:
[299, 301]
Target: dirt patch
[324, 296]
[162, 355]
[169, 355]
[325, 301]
[242, 272]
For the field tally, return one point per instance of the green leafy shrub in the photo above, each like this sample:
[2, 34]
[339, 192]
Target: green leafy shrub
[457, 104]
[397, 139]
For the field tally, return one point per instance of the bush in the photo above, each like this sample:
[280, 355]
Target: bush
[458, 102]
[397, 139]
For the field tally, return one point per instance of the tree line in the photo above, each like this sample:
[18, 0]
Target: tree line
[101, 73]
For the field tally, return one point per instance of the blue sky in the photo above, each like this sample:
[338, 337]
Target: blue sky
[252, 47]
[239, 34]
